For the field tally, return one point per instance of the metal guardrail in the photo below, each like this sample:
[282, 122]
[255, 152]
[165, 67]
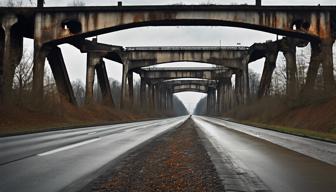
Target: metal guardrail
[188, 48]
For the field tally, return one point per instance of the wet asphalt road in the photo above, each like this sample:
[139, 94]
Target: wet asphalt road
[280, 168]
[69, 159]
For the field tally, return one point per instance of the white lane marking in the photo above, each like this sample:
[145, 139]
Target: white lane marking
[68, 147]
[91, 133]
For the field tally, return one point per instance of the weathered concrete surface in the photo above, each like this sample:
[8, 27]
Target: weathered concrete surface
[320, 53]
[271, 54]
[230, 56]
[11, 48]
[61, 76]
[52, 26]
[175, 73]
[61, 23]
[104, 84]
[92, 61]
[190, 87]
[288, 47]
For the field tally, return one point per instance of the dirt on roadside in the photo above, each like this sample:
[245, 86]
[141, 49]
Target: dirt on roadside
[175, 161]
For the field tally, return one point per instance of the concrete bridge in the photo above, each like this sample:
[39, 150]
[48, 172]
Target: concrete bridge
[52, 26]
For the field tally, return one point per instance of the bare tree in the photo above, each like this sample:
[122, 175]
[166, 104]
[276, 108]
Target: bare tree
[23, 76]
[17, 3]
[79, 91]
[254, 82]
[279, 79]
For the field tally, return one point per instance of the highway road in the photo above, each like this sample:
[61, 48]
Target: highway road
[66, 160]
[281, 161]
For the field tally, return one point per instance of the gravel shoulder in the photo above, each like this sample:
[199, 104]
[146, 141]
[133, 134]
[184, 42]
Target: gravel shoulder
[175, 161]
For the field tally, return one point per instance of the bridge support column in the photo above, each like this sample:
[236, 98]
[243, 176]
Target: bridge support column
[220, 96]
[238, 87]
[143, 95]
[11, 49]
[327, 64]
[91, 63]
[269, 67]
[61, 76]
[104, 84]
[130, 89]
[245, 80]
[124, 90]
[160, 95]
[289, 51]
[165, 99]
[227, 101]
[211, 99]
[157, 97]
[151, 97]
[320, 53]
[170, 102]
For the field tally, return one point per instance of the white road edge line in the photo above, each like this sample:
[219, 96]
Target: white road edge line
[68, 147]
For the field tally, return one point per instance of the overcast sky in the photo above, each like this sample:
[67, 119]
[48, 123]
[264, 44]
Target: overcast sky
[170, 36]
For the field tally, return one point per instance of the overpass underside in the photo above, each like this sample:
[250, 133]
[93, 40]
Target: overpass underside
[50, 27]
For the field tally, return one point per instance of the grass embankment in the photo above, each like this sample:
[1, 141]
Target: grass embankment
[315, 118]
[325, 136]
[19, 120]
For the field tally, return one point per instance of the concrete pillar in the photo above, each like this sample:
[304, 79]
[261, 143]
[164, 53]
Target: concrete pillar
[124, 89]
[2, 46]
[164, 99]
[211, 99]
[92, 61]
[220, 96]
[130, 89]
[266, 77]
[156, 97]
[327, 64]
[321, 52]
[143, 95]
[208, 101]
[151, 97]
[11, 54]
[61, 76]
[288, 47]
[246, 85]
[169, 101]
[40, 54]
[238, 87]
[104, 84]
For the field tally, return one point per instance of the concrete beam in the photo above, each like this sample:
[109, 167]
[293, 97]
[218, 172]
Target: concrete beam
[223, 56]
[276, 19]
[210, 74]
